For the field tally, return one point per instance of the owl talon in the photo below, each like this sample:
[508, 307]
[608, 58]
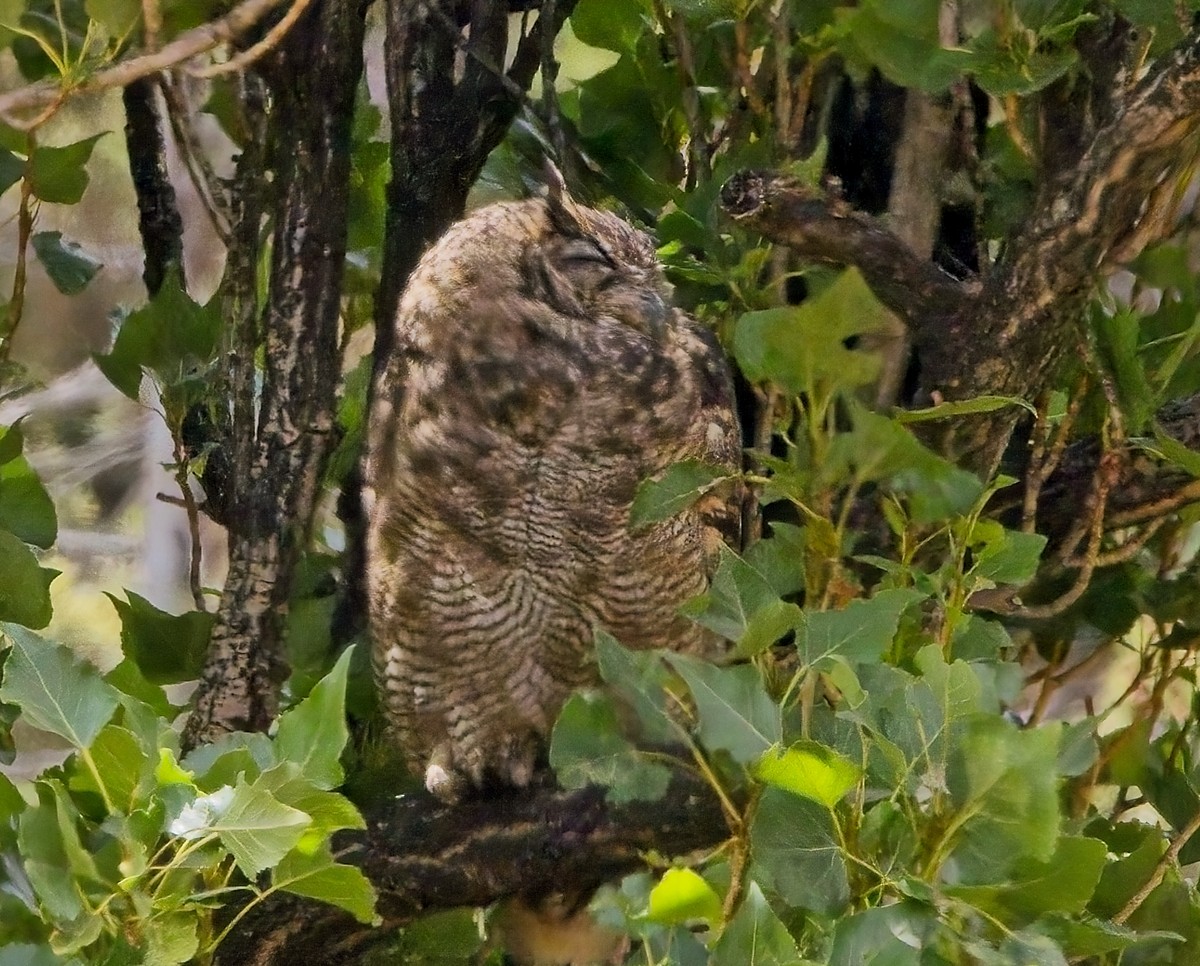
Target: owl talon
[442, 780]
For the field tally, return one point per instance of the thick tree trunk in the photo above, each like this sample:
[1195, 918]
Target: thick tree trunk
[312, 79]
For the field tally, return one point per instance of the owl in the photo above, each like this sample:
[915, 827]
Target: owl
[540, 375]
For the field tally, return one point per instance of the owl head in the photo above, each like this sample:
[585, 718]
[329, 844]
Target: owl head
[593, 265]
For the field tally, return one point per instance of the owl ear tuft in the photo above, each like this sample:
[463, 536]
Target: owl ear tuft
[564, 212]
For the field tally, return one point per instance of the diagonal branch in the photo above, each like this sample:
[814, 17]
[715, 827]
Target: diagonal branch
[826, 230]
[188, 44]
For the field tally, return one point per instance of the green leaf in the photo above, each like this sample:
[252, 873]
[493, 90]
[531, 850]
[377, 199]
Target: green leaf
[171, 937]
[314, 733]
[1038, 14]
[236, 753]
[257, 829]
[611, 26]
[12, 167]
[673, 491]
[736, 593]
[450, 937]
[1005, 556]
[587, 748]
[1118, 340]
[736, 713]
[167, 648]
[57, 692]
[681, 896]
[878, 448]
[122, 764]
[810, 770]
[26, 954]
[12, 441]
[1064, 883]
[963, 407]
[26, 509]
[1175, 452]
[317, 876]
[117, 17]
[24, 585]
[1139, 849]
[1004, 782]
[800, 346]
[1002, 69]
[755, 936]
[129, 680]
[779, 557]
[52, 854]
[172, 336]
[70, 268]
[768, 625]
[59, 175]
[797, 853]
[888, 935]
[901, 40]
[1085, 937]
[641, 679]
[860, 632]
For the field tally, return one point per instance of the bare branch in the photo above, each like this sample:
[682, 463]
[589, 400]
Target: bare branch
[825, 229]
[196, 41]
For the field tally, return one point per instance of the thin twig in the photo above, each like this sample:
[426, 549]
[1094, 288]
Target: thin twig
[1042, 463]
[745, 75]
[1050, 684]
[1103, 480]
[698, 169]
[188, 44]
[781, 42]
[193, 518]
[554, 125]
[1168, 859]
[1158, 508]
[248, 56]
[25, 219]
[1127, 550]
[151, 24]
[199, 169]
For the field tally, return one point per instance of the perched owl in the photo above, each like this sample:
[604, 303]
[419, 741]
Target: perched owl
[540, 375]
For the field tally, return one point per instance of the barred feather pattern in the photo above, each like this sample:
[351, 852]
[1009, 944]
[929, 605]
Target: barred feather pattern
[540, 375]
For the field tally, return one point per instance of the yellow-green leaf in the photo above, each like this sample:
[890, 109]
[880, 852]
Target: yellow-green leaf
[682, 895]
[809, 770]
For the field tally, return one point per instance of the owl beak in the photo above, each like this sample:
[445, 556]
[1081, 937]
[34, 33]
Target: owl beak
[654, 316]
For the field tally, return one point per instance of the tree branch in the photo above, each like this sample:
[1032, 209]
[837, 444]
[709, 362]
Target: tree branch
[196, 41]
[822, 228]
[422, 856]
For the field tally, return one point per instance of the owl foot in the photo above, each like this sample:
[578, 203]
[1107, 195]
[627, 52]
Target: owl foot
[508, 763]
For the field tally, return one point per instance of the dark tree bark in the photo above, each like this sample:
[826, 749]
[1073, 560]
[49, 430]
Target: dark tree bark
[311, 79]
[159, 222]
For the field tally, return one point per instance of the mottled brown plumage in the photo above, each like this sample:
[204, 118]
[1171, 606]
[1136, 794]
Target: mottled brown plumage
[541, 374]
